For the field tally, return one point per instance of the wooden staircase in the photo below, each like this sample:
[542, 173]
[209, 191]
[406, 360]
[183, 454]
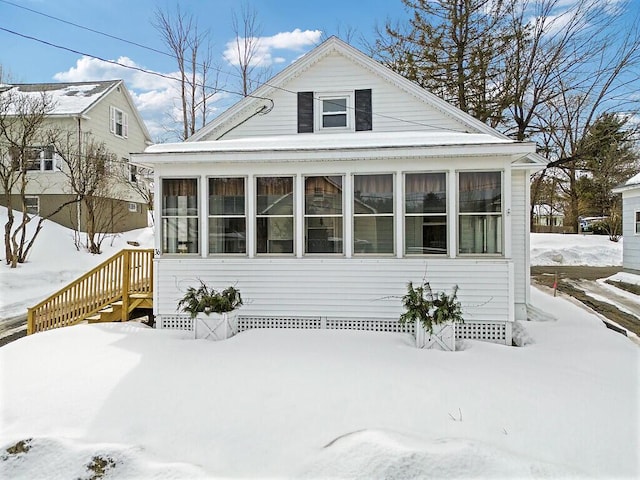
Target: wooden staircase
[110, 292]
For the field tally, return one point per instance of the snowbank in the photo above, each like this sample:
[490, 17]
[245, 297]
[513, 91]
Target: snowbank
[554, 249]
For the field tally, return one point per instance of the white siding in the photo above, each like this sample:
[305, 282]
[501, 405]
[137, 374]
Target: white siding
[520, 240]
[394, 109]
[337, 287]
[631, 241]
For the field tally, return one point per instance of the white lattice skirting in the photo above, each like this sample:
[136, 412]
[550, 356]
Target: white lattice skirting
[496, 332]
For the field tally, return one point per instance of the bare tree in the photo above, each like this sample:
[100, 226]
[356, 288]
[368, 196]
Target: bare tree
[247, 59]
[192, 51]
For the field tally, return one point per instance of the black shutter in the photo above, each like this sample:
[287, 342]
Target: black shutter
[363, 110]
[305, 112]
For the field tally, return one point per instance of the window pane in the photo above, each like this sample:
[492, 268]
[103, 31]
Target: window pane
[226, 196]
[425, 193]
[274, 235]
[426, 235]
[373, 234]
[329, 121]
[180, 196]
[480, 234]
[480, 192]
[275, 196]
[323, 234]
[373, 194]
[323, 195]
[227, 235]
[180, 235]
[334, 105]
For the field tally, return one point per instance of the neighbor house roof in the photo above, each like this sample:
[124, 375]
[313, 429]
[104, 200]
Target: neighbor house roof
[72, 98]
[632, 183]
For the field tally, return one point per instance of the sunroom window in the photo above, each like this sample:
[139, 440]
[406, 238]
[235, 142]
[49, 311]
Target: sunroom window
[480, 212]
[425, 223]
[180, 215]
[274, 215]
[323, 217]
[373, 214]
[227, 215]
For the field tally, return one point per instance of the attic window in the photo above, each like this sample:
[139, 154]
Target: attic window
[119, 122]
[334, 113]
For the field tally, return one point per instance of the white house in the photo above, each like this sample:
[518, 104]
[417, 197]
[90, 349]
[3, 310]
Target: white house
[630, 191]
[333, 185]
[105, 111]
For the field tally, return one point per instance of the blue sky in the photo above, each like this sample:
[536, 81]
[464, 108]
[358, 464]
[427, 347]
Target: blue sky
[289, 29]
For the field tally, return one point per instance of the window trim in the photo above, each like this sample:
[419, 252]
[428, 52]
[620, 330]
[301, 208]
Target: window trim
[305, 216]
[113, 122]
[245, 216]
[500, 214]
[393, 215]
[319, 114]
[636, 222]
[444, 214]
[197, 216]
[37, 199]
[293, 215]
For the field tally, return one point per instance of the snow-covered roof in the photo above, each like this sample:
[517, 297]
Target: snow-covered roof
[66, 98]
[632, 183]
[544, 209]
[332, 141]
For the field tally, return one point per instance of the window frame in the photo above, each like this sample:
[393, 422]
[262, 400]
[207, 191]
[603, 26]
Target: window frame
[114, 112]
[320, 114]
[500, 215]
[163, 216]
[392, 215]
[306, 216]
[636, 223]
[444, 214]
[228, 216]
[257, 216]
[32, 197]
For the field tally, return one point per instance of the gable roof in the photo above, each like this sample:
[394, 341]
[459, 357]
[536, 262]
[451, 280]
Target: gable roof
[74, 98]
[257, 100]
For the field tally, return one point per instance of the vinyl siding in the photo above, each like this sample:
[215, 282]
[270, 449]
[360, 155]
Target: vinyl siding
[394, 109]
[336, 287]
[631, 240]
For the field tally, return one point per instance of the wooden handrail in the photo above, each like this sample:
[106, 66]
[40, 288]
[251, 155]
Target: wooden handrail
[128, 271]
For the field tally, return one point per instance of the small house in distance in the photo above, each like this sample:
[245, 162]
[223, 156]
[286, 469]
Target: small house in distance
[103, 111]
[329, 188]
[630, 191]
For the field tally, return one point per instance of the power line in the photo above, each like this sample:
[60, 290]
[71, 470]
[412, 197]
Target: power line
[169, 77]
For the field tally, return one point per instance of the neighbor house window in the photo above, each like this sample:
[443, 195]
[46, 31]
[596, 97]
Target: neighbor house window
[480, 212]
[32, 205]
[180, 215]
[132, 170]
[274, 215]
[637, 223]
[373, 214]
[119, 121]
[425, 222]
[34, 159]
[227, 215]
[323, 217]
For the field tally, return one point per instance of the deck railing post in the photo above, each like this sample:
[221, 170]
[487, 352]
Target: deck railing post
[126, 276]
[30, 325]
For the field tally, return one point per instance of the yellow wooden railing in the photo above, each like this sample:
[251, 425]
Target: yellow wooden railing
[127, 274]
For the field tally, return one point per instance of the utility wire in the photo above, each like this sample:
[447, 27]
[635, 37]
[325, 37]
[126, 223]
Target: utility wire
[169, 77]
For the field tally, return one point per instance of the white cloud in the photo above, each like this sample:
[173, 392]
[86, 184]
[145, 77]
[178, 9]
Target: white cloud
[296, 41]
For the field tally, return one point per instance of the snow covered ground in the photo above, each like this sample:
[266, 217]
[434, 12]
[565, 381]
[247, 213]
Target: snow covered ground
[552, 249]
[315, 404]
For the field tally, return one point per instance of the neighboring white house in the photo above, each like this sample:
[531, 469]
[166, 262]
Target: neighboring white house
[333, 185]
[545, 215]
[105, 110]
[630, 191]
